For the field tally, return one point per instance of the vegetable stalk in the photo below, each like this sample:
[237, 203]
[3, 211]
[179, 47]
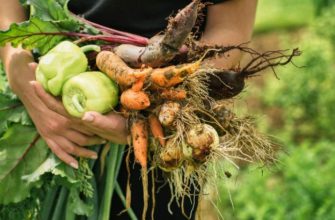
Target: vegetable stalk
[113, 164]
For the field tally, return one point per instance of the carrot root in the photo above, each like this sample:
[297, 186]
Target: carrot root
[133, 100]
[156, 129]
[139, 135]
[173, 94]
[116, 69]
[145, 186]
[173, 75]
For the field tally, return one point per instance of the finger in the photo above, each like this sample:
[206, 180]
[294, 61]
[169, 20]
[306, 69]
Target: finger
[120, 139]
[61, 154]
[111, 122]
[76, 150]
[79, 126]
[83, 140]
[51, 102]
[33, 66]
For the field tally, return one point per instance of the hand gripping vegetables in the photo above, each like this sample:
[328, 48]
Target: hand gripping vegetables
[60, 64]
[89, 91]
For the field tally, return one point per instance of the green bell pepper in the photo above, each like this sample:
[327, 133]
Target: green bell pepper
[89, 91]
[61, 63]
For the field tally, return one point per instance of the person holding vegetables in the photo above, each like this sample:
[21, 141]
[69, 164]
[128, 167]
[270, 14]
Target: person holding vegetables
[226, 23]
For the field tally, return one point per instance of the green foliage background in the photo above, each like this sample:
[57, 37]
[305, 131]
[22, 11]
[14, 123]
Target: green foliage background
[301, 186]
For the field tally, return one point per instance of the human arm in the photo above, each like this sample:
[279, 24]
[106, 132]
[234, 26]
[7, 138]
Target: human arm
[63, 134]
[230, 23]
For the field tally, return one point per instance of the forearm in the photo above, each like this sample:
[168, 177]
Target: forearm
[231, 58]
[10, 12]
[230, 23]
[15, 60]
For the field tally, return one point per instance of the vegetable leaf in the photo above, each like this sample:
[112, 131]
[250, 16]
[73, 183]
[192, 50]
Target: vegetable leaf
[11, 109]
[54, 10]
[78, 205]
[34, 33]
[57, 10]
[52, 165]
[21, 152]
[49, 10]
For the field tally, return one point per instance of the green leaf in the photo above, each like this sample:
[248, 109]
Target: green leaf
[57, 11]
[54, 10]
[52, 165]
[79, 205]
[49, 10]
[21, 153]
[33, 34]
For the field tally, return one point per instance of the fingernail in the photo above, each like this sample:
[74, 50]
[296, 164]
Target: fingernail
[88, 117]
[94, 157]
[74, 165]
[103, 141]
[32, 83]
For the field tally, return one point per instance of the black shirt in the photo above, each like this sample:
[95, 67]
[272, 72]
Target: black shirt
[144, 17]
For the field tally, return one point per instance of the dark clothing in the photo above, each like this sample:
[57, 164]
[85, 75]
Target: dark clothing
[143, 17]
[146, 18]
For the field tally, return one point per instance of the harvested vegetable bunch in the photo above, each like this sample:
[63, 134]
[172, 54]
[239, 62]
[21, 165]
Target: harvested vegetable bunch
[89, 91]
[60, 64]
[175, 103]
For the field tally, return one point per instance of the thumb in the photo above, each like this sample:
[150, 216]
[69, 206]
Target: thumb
[32, 66]
[92, 117]
[109, 122]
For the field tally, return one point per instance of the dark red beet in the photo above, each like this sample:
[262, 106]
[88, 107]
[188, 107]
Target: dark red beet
[225, 84]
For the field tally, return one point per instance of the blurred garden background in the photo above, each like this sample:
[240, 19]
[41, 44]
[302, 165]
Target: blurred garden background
[299, 110]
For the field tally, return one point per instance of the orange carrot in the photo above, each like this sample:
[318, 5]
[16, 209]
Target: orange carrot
[133, 100]
[156, 129]
[116, 69]
[139, 134]
[173, 75]
[138, 85]
[173, 94]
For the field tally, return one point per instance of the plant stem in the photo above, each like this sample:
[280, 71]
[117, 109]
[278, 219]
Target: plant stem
[115, 153]
[113, 31]
[76, 103]
[111, 39]
[83, 37]
[95, 213]
[48, 203]
[59, 209]
[90, 47]
[69, 214]
[130, 211]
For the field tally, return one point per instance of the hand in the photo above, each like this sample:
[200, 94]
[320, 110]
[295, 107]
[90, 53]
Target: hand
[62, 135]
[111, 126]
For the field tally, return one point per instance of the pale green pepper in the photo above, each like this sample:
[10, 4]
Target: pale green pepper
[60, 64]
[89, 91]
